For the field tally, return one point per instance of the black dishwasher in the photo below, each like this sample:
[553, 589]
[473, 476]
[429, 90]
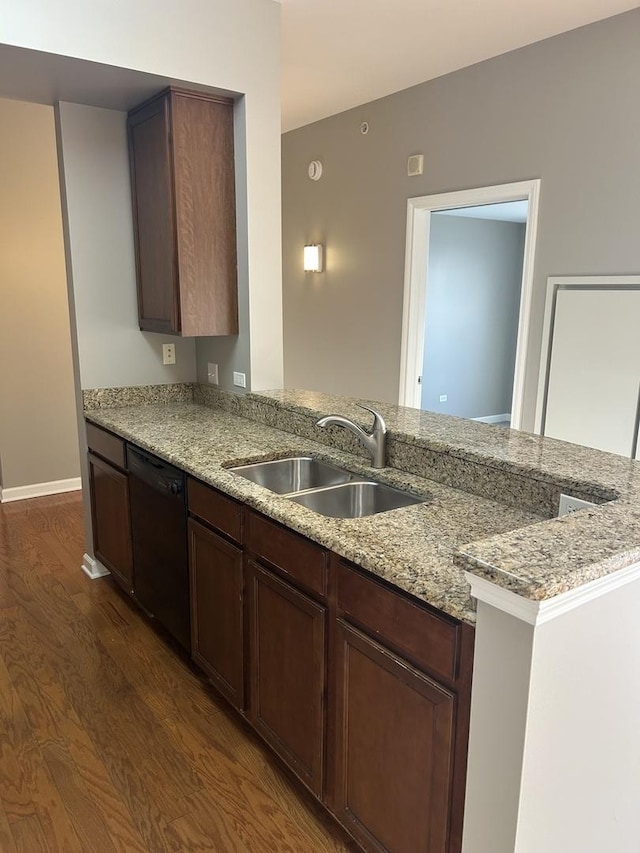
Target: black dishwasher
[159, 531]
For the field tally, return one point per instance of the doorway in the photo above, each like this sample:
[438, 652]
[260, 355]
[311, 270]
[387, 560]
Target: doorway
[440, 343]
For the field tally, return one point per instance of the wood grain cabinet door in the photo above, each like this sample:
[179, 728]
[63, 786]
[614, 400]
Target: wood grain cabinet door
[154, 218]
[394, 739]
[203, 160]
[181, 150]
[217, 610]
[288, 672]
[111, 519]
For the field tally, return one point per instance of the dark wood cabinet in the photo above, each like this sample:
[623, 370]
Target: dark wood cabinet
[217, 589]
[111, 520]
[107, 445]
[183, 185]
[217, 643]
[215, 509]
[394, 749]
[399, 711]
[361, 689]
[287, 662]
[295, 556]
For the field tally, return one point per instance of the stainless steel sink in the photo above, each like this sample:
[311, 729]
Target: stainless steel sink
[294, 474]
[356, 499]
[325, 488]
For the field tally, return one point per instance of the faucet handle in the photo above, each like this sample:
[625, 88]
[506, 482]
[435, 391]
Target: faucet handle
[378, 423]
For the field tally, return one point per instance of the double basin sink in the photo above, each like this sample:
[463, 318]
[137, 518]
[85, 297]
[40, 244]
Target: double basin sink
[325, 488]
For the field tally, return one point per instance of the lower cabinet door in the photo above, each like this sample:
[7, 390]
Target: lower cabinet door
[288, 672]
[111, 519]
[394, 738]
[217, 633]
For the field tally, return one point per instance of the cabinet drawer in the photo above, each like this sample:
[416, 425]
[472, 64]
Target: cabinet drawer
[292, 554]
[430, 642]
[216, 509]
[106, 444]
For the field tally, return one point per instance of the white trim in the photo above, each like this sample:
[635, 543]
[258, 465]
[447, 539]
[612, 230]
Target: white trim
[93, 568]
[415, 273]
[39, 490]
[553, 283]
[503, 599]
[493, 419]
[415, 282]
[539, 612]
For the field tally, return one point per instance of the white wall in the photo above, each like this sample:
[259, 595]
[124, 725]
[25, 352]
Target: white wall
[500, 698]
[227, 44]
[581, 771]
[38, 433]
[554, 752]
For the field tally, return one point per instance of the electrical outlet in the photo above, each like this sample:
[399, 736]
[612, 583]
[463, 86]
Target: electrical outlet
[569, 504]
[212, 373]
[443, 398]
[239, 379]
[168, 353]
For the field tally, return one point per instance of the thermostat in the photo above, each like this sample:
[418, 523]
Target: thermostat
[415, 165]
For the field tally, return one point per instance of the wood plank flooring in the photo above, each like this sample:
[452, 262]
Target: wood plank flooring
[109, 739]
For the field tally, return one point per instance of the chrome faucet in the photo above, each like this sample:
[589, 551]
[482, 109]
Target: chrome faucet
[375, 441]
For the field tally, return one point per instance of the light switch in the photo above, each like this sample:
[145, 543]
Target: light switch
[239, 379]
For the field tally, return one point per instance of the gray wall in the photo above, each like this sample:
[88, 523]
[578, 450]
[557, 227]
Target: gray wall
[38, 434]
[471, 322]
[97, 197]
[564, 110]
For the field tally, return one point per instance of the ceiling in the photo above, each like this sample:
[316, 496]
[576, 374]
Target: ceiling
[505, 211]
[340, 53]
[45, 78]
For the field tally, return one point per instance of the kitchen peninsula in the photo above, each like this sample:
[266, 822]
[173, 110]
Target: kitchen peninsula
[489, 519]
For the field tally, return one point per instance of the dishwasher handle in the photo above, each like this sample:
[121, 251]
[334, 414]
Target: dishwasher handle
[155, 473]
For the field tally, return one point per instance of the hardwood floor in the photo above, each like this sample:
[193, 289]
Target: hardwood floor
[109, 739]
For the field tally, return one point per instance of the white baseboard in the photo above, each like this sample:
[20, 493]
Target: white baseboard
[494, 419]
[93, 568]
[39, 490]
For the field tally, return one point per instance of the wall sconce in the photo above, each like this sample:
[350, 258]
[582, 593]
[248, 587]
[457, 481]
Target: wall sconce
[313, 258]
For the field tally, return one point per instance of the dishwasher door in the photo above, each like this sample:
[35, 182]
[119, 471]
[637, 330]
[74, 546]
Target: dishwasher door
[159, 531]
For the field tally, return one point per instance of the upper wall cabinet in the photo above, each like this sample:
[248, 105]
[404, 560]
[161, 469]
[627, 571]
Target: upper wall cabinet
[183, 184]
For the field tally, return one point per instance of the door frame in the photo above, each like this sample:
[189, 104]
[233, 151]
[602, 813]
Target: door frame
[419, 212]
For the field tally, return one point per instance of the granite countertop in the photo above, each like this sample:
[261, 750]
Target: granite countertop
[493, 492]
[546, 459]
[535, 561]
[412, 548]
